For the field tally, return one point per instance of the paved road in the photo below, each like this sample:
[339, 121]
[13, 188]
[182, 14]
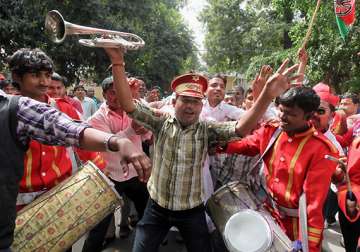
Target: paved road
[331, 243]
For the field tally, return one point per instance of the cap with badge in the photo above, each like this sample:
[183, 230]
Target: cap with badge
[193, 85]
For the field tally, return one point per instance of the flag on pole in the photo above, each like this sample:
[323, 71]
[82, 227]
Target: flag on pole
[345, 15]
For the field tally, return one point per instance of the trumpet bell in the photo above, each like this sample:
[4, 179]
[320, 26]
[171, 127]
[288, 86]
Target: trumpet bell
[57, 29]
[55, 26]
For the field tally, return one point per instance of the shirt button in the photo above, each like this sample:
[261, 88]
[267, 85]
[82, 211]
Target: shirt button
[43, 153]
[316, 133]
[290, 140]
[282, 159]
[43, 174]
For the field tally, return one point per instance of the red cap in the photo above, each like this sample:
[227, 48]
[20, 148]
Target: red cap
[193, 85]
[324, 92]
[2, 77]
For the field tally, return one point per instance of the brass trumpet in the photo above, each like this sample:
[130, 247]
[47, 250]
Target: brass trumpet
[57, 29]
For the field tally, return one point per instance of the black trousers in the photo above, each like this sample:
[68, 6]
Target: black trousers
[331, 206]
[350, 231]
[137, 192]
[156, 222]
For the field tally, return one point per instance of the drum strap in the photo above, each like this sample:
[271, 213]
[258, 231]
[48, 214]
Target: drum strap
[272, 140]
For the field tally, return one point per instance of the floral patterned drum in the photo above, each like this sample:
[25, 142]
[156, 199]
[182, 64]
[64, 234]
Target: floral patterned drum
[59, 217]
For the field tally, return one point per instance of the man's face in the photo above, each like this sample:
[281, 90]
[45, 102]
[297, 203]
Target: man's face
[248, 101]
[322, 117]
[239, 96]
[216, 90]
[90, 93]
[80, 93]
[134, 88]
[111, 99]
[56, 89]
[292, 119]
[142, 88]
[348, 106]
[34, 85]
[187, 109]
[230, 99]
[154, 95]
[10, 89]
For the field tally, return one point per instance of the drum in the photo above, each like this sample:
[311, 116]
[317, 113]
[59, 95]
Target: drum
[59, 217]
[244, 224]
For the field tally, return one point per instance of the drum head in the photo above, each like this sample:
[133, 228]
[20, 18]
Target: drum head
[247, 231]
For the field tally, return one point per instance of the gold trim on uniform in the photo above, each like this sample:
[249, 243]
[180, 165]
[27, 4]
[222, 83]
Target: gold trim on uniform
[292, 167]
[28, 169]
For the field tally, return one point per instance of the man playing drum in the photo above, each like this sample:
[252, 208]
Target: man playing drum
[23, 119]
[294, 164]
[181, 144]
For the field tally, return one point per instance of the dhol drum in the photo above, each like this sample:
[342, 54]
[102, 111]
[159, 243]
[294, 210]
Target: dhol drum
[59, 217]
[244, 224]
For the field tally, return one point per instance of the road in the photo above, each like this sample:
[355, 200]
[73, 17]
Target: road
[331, 243]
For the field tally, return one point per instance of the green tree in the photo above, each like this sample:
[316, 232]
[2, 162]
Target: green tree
[169, 44]
[271, 30]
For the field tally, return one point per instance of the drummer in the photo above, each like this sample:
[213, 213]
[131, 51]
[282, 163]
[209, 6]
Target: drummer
[23, 119]
[294, 163]
[176, 184]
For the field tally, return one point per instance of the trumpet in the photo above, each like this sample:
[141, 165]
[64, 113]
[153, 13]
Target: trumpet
[57, 29]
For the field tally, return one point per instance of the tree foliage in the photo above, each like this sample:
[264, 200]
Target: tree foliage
[168, 49]
[267, 31]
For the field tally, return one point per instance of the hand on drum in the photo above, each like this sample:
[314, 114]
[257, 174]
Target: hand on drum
[131, 155]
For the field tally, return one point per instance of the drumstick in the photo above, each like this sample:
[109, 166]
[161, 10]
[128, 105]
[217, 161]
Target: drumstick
[343, 167]
[308, 33]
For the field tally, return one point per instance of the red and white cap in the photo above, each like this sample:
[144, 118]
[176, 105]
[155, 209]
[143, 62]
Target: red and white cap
[192, 84]
[324, 92]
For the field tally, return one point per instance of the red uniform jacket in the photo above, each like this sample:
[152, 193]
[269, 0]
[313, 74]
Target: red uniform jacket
[354, 174]
[292, 166]
[45, 166]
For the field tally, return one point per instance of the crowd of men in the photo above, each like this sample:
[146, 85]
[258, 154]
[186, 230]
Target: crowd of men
[198, 139]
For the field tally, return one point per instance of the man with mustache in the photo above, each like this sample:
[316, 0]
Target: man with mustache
[181, 144]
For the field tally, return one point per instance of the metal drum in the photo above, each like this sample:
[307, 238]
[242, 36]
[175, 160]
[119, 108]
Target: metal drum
[244, 224]
[59, 217]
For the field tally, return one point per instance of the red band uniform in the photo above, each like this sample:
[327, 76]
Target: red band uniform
[292, 166]
[45, 166]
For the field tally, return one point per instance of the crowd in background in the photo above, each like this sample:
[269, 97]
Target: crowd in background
[334, 118]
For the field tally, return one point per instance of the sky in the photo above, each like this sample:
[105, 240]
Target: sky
[190, 14]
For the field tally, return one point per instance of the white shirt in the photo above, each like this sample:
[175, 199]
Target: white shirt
[89, 107]
[221, 113]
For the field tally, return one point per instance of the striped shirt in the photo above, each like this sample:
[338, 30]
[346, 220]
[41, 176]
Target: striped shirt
[41, 122]
[176, 181]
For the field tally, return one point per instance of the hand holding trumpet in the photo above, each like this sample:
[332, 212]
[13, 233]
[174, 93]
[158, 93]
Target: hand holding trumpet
[351, 201]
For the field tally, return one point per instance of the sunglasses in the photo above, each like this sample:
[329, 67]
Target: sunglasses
[320, 111]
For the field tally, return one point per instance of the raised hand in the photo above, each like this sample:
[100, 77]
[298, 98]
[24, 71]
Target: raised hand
[279, 82]
[302, 56]
[260, 80]
[116, 55]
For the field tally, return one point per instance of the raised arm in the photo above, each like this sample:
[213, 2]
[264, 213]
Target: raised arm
[123, 92]
[275, 86]
[303, 60]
